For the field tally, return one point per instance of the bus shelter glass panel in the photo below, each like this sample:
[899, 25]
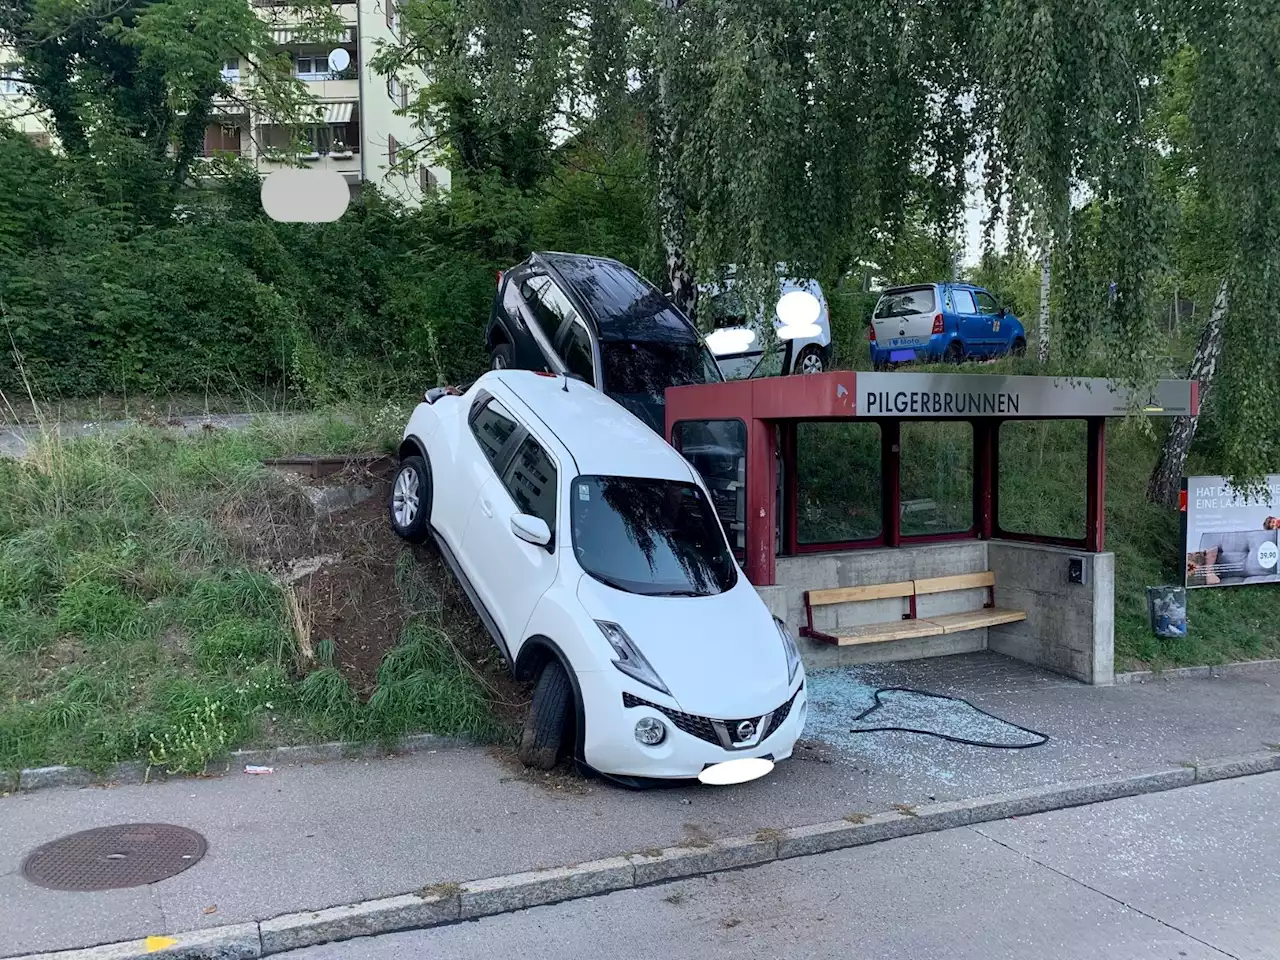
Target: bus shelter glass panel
[717, 449]
[937, 478]
[838, 483]
[1044, 477]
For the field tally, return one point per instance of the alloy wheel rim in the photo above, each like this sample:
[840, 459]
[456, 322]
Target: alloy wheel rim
[405, 497]
[811, 364]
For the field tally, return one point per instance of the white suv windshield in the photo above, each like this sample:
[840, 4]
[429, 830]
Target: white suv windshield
[653, 537]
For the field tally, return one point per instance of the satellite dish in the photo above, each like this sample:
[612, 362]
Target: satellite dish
[339, 59]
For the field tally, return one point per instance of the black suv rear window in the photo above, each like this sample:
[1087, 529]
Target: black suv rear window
[624, 305]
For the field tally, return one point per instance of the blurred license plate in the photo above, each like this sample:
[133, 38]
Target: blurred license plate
[898, 356]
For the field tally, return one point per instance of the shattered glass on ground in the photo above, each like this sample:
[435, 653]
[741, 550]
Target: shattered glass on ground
[837, 697]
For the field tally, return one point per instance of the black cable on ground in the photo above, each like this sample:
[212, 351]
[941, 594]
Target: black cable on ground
[1044, 737]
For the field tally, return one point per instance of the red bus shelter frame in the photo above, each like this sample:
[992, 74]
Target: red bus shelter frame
[770, 409]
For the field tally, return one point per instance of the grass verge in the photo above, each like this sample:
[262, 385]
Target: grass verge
[140, 617]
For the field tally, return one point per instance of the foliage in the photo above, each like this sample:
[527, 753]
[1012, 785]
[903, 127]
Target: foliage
[131, 624]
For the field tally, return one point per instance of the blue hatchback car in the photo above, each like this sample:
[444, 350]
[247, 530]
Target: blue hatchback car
[942, 321]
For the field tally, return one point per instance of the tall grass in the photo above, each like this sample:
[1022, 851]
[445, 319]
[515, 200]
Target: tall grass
[134, 626]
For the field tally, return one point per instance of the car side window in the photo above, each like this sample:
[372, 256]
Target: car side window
[532, 292]
[531, 480]
[493, 428]
[577, 352]
[986, 303]
[963, 300]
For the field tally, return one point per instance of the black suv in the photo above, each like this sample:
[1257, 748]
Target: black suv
[598, 320]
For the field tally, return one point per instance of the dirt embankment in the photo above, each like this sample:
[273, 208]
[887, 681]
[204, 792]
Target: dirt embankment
[353, 584]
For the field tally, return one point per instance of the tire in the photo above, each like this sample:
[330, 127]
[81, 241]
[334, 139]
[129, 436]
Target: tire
[1018, 348]
[954, 354]
[543, 736]
[809, 360]
[501, 357]
[409, 504]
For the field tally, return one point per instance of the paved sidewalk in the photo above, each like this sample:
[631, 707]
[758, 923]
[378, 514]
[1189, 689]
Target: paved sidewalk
[1191, 874]
[313, 836]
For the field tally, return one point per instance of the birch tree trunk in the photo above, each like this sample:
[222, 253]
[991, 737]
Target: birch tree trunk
[1046, 280]
[673, 228]
[1166, 479]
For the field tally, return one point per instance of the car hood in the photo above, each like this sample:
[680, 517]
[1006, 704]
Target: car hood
[647, 408]
[720, 656]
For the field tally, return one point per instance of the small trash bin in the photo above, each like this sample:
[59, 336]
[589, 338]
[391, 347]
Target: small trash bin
[1167, 608]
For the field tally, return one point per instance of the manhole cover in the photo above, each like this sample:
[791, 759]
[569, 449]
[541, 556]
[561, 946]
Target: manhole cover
[126, 855]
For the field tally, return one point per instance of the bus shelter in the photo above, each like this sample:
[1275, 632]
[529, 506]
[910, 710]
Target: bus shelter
[818, 481]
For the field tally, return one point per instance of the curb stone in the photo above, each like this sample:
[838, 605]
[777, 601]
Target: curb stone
[296, 930]
[1225, 768]
[237, 941]
[495, 895]
[136, 771]
[1246, 668]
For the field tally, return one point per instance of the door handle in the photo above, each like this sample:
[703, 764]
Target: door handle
[486, 507]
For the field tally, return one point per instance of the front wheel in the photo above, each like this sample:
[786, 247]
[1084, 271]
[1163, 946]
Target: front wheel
[542, 738]
[810, 360]
[501, 356]
[409, 506]
[1018, 348]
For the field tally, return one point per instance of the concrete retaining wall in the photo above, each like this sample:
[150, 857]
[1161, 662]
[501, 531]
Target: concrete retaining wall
[1069, 628]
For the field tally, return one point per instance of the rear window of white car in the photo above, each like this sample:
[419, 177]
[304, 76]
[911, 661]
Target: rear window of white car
[657, 538]
[903, 303]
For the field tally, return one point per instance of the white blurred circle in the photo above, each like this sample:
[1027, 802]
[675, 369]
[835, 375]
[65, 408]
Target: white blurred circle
[305, 196]
[339, 59]
[730, 340]
[1268, 555]
[799, 333]
[736, 771]
[799, 308]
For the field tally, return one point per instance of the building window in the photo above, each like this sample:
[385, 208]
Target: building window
[396, 91]
[391, 150]
[311, 67]
[10, 79]
[393, 16]
[427, 180]
[40, 139]
[221, 138]
[231, 70]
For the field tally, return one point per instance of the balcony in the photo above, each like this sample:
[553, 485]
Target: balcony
[281, 15]
[324, 89]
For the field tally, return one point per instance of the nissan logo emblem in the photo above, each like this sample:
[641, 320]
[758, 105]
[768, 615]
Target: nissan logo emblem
[746, 730]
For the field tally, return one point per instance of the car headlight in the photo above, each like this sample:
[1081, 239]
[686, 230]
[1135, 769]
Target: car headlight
[630, 660]
[789, 644]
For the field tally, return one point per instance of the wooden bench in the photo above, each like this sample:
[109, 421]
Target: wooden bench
[910, 625]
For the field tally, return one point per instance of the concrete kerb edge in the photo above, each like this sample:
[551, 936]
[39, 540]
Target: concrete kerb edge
[136, 771]
[444, 904]
[1200, 673]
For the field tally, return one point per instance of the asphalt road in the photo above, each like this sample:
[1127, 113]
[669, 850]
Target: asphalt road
[1193, 873]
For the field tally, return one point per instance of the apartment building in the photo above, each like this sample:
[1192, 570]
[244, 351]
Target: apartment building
[355, 130]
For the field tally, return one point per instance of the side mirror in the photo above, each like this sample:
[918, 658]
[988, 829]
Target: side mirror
[1002, 313]
[531, 529]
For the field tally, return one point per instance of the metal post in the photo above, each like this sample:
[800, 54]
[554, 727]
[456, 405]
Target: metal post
[1096, 499]
[891, 480]
[762, 547]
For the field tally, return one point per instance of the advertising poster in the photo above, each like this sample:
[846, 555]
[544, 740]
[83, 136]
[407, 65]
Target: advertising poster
[1230, 540]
